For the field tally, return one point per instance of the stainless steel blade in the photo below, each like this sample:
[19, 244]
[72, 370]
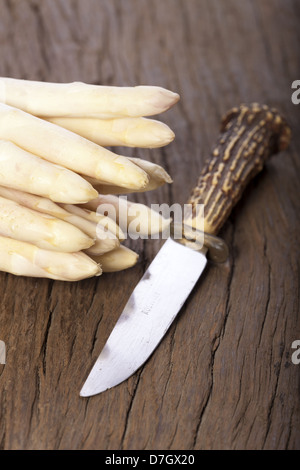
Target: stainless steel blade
[151, 309]
[2, 356]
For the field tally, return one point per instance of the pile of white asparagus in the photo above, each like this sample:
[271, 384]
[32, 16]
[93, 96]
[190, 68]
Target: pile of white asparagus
[57, 178]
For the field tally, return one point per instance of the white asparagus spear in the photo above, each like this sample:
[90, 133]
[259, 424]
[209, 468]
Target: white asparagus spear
[39, 203]
[24, 259]
[106, 243]
[22, 170]
[156, 172]
[138, 219]
[157, 177]
[42, 230]
[65, 148]
[129, 132]
[117, 260]
[105, 240]
[82, 99]
[105, 221]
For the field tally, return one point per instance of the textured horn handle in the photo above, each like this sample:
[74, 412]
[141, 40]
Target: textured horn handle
[249, 136]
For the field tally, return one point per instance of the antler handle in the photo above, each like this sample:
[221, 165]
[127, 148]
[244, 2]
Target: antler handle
[249, 136]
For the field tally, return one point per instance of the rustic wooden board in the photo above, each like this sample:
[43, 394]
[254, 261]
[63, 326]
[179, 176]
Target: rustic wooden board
[223, 377]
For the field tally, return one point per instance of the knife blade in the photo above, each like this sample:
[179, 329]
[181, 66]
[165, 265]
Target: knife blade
[147, 315]
[2, 356]
[249, 136]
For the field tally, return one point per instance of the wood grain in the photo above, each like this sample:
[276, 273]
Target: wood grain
[223, 376]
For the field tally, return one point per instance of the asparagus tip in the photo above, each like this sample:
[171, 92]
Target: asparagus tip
[166, 99]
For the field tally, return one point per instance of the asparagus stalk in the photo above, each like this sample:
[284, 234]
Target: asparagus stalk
[139, 219]
[106, 222]
[39, 203]
[42, 230]
[80, 99]
[25, 259]
[105, 241]
[117, 260]
[129, 132]
[101, 245]
[65, 148]
[157, 177]
[22, 170]
[157, 174]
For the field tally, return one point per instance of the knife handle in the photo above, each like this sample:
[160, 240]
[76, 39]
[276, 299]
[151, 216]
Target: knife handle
[249, 136]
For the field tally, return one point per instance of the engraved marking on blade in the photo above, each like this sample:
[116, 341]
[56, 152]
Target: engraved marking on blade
[147, 309]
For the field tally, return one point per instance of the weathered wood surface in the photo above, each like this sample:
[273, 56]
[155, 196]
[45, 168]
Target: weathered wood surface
[223, 377]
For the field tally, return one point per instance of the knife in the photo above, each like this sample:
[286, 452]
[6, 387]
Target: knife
[249, 135]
